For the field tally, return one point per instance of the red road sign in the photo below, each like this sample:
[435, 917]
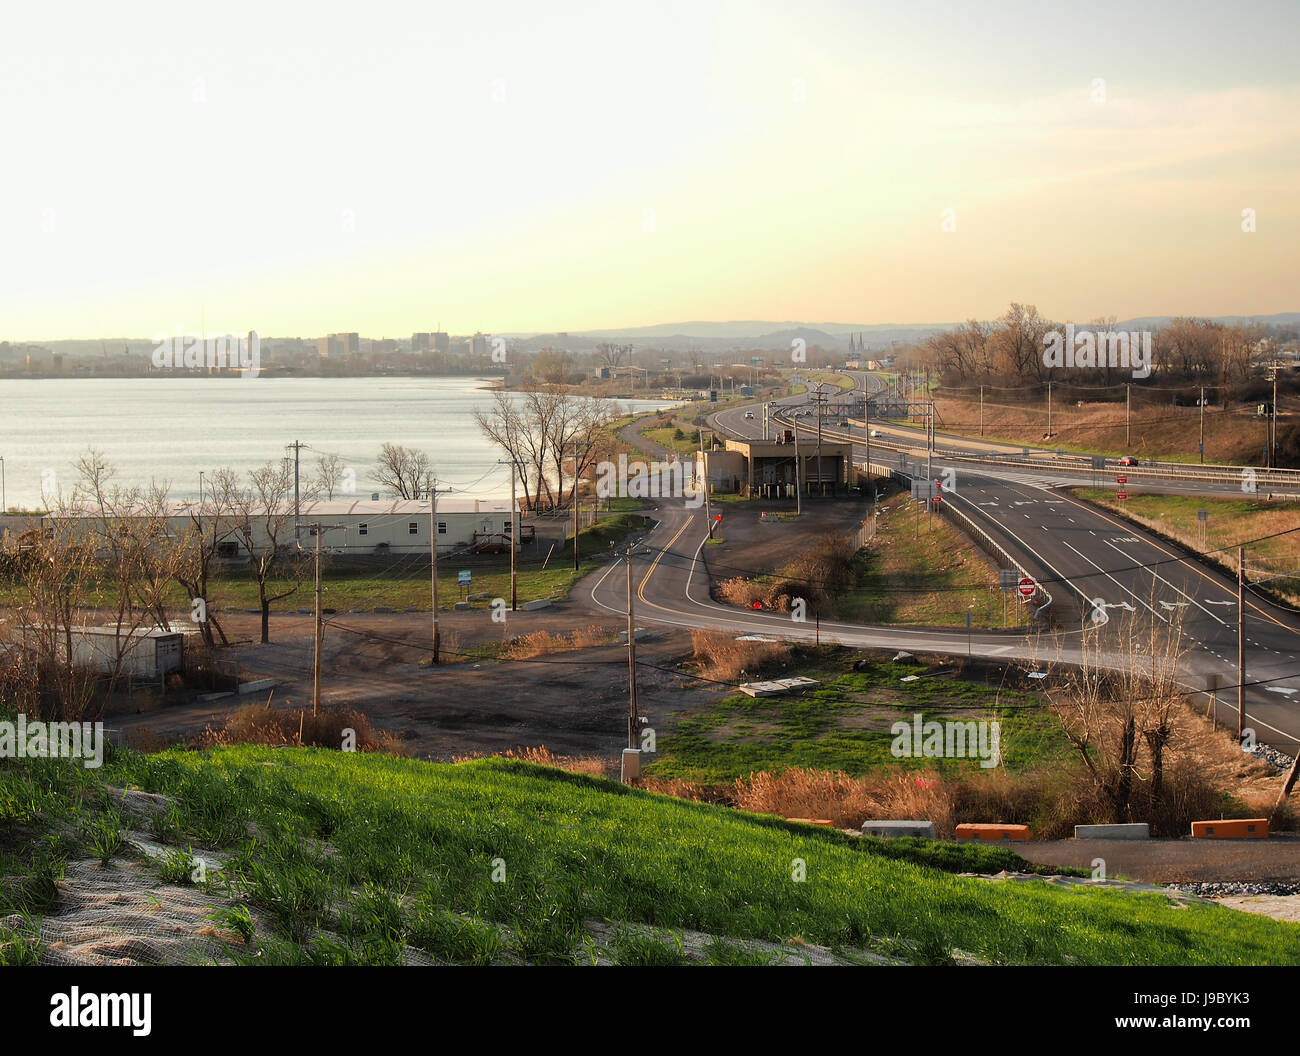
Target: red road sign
[1026, 587]
[1122, 495]
[937, 499]
[1121, 480]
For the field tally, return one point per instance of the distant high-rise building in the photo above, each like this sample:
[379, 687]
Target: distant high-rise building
[478, 345]
[345, 344]
[441, 342]
[420, 342]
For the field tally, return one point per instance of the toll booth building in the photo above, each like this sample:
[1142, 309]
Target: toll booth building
[767, 468]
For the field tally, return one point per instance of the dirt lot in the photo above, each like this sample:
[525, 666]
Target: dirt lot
[573, 703]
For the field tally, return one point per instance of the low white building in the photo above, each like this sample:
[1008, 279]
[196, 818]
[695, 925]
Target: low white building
[363, 526]
[401, 526]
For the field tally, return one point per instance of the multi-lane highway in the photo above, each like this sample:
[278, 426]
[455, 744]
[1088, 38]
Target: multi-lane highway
[1105, 577]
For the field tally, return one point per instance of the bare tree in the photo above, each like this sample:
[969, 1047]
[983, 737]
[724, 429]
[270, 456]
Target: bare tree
[264, 522]
[211, 523]
[1115, 703]
[402, 470]
[329, 476]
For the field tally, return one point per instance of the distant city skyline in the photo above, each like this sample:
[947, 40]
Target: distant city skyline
[526, 170]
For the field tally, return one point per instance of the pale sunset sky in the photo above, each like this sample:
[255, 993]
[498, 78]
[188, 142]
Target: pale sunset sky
[514, 166]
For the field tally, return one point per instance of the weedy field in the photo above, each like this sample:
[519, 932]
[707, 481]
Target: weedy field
[844, 725]
[337, 858]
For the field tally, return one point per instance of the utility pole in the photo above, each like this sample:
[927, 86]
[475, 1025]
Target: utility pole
[433, 563]
[798, 485]
[297, 446]
[514, 538]
[981, 410]
[820, 398]
[704, 461]
[632, 717]
[1241, 642]
[318, 530]
[1127, 399]
[866, 428]
[320, 632]
[575, 508]
[1049, 410]
[1272, 443]
[1202, 425]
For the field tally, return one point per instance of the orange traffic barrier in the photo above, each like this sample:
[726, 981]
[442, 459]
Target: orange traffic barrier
[812, 821]
[1232, 829]
[971, 831]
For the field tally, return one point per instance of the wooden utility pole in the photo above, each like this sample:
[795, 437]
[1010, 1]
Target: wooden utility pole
[981, 410]
[798, 485]
[1127, 399]
[433, 564]
[514, 542]
[297, 446]
[1049, 409]
[318, 530]
[1202, 425]
[1241, 642]
[575, 508]
[632, 717]
[320, 633]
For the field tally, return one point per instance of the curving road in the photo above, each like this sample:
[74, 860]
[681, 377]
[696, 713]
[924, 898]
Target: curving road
[1100, 571]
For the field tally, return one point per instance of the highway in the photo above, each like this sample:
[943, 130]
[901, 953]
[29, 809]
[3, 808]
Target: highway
[1105, 577]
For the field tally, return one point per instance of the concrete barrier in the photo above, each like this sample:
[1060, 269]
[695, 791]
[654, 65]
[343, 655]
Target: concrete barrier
[541, 603]
[924, 829]
[1231, 829]
[1136, 831]
[824, 822]
[256, 686]
[980, 831]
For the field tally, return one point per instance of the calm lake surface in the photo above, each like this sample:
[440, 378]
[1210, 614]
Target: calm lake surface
[170, 429]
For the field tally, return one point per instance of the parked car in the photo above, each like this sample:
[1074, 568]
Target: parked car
[1128, 460]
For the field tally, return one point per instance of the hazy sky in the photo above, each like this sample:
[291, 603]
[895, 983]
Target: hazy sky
[506, 166]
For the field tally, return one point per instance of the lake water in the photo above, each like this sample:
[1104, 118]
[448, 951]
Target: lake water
[170, 429]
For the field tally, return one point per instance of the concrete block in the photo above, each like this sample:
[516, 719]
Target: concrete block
[256, 686]
[985, 831]
[1231, 829]
[540, 603]
[1136, 831]
[463, 606]
[924, 829]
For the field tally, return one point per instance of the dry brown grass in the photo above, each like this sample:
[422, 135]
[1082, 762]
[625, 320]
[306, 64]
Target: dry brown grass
[595, 765]
[1157, 430]
[722, 657]
[822, 570]
[544, 643]
[299, 728]
[1204, 767]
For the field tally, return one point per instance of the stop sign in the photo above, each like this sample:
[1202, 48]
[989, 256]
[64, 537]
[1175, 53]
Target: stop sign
[1026, 587]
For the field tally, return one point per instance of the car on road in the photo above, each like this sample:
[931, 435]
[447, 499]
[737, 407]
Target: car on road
[875, 433]
[749, 414]
[1128, 460]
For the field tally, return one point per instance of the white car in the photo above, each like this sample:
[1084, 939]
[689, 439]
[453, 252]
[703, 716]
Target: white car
[875, 433]
[749, 414]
